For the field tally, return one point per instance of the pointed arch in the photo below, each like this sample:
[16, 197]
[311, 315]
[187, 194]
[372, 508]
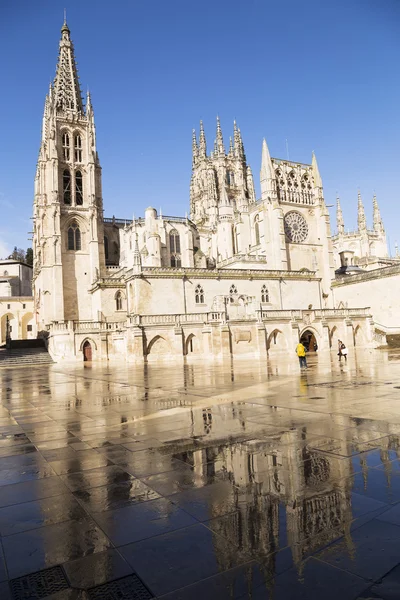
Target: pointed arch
[66, 145]
[74, 237]
[264, 294]
[78, 188]
[276, 341]
[78, 148]
[119, 300]
[158, 345]
[175, 248]
[67, 186]
[199, 294]
[257, 229]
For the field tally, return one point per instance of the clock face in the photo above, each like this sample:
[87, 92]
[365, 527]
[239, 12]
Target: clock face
[296, 228]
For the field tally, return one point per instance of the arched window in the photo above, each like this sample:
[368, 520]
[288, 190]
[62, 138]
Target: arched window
[199, 295]
[67, 186]
[118, 301]
[74, 237]
[257, 229]
[78, 188]
[65, 143]
[264, 294]
[78, 148]
[175, 248]
[236, 240]
[232, 292]
[106, 247]
[230, 178]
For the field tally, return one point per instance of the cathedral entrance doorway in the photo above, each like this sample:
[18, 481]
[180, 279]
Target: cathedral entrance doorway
[309, 341]
[87, 352]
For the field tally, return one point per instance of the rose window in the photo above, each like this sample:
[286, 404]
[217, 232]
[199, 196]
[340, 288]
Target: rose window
[296, 228]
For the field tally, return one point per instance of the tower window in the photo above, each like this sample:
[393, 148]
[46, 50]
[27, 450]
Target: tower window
[264, 294]
[230, 178]
[78, 188]
[65, 143]
[199, 295]
[175, 248]
[78, 148]
[106, 247]
[257, 229]
[118, 301]
[74, 237]
[67, 186]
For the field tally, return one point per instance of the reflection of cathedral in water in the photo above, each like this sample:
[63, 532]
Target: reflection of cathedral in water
[286, 492]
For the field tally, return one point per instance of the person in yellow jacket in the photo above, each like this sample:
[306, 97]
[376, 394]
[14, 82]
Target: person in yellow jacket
[301, 353]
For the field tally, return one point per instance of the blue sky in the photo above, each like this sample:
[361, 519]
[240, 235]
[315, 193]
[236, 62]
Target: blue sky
[323, 75]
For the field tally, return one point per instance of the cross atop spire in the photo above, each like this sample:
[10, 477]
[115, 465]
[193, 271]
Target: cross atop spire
[67, 90]
[361, 220]
[339, 217]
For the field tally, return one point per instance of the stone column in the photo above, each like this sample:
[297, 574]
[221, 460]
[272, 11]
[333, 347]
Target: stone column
[261, 340]
[207, 343]
[135, 344]
[178, 340]
[226, 344]
[349, 333]
[325, 339]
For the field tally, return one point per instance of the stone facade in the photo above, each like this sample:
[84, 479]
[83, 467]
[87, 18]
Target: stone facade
[16, 301]
[369, 246]
[241, 276]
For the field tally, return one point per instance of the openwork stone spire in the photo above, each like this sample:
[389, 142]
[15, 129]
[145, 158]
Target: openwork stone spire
[67, 91]
[202, 142]
[378, 223]
[339, 217]
[219, 139]
[361, 220]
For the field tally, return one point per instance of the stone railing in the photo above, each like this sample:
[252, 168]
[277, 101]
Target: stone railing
[177, 319]
[325, 313]
[241, 258]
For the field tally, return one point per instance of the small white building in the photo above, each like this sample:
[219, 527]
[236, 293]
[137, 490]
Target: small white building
[16, 301]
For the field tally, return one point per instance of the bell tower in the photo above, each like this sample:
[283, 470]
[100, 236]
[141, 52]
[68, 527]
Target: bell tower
[68, 211]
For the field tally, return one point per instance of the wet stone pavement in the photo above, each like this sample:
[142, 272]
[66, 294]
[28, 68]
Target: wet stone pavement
[220, 481]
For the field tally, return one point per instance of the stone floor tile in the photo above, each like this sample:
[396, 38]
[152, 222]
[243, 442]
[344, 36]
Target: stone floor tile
[371, 551]
[207, 502]
[113, 474]
[182, 558]
[378, 484]
[388, 588]
[84, 463]
[115, 495]
[25, 473]
[312, 580]
[31, 490]
[5, 592]
[230, 585]
[38, 549]
[141, 521]
[3, 570]
[39, 513]
[96, 569]
[172, 482]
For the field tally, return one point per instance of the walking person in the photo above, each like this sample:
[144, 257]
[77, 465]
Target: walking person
[343, 351]
[301, 353]
[340, 350]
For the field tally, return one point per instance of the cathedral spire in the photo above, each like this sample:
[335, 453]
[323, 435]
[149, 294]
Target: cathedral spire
[317, 176]
[219, 139]
[202, 142]
[195, 148]
[67, 90]
[267, 174]
[230, 154]
[361, 220]
[377, 219]
[339, 217]
[237, 141]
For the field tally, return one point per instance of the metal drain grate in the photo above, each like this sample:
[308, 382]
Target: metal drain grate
[127, 588]
[37, 586]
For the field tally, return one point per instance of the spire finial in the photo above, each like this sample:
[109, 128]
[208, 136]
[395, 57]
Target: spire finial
[361, 219]
[195, 148]
[219, 141]
[339, 216]
[67, 91]
[377, 219]
[202, 142]
[65, 16]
